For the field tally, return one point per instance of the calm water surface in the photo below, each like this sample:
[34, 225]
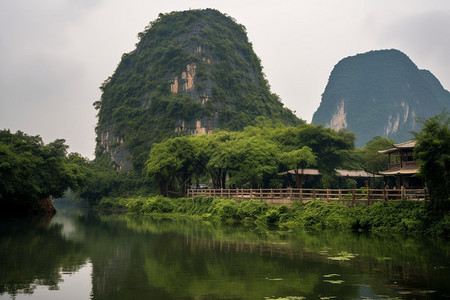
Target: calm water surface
[80, 255]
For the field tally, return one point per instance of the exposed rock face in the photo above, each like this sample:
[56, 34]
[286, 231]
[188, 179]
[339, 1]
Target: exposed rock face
[339, 118]
[380, 93]
[113, 145]
[191, 72]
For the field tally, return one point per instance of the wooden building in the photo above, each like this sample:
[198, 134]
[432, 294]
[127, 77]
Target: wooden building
[402, 166]
[311, 177]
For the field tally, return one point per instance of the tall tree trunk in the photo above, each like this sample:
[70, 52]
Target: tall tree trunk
[299, 178]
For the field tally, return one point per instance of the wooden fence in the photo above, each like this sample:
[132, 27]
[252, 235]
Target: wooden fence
[287, 196]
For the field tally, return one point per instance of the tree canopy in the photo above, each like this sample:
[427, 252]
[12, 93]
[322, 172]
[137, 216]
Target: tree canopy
[31, 170]
[375, 162]
[250, 158]
[433, 154]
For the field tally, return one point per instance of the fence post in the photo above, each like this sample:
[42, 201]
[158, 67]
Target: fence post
[353, 197]
[314, 194]
[403, 193]
[368, 196]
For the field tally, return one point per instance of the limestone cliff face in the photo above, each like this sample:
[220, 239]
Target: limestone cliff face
[191, 72]
[380, 93]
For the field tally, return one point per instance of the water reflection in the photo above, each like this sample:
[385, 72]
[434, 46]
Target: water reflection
[124, 257]
[34, 253]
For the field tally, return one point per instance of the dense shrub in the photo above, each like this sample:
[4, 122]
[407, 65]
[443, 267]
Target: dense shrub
[393, 217]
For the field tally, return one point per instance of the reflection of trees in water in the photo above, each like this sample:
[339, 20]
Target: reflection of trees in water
[389, 265]
[220, 260]
[32, 253]
[165, 259]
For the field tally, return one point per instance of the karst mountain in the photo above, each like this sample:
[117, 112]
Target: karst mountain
[380, 93]
[191, 72]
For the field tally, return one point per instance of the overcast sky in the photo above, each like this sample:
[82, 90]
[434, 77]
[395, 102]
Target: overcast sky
[54, 54]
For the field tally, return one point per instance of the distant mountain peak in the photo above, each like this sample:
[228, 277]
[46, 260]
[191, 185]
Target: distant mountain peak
[380, 93]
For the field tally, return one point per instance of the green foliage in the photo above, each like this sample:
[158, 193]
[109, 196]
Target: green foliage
[404, 216]
[329, 147]
[375, 162]
[433, 154]
[169, 161]
[299, 159]
[249, 158]
[31, 170]
[408, 217]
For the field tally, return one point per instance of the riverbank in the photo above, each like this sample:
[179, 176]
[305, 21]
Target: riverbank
[405, 217]
[40, 207]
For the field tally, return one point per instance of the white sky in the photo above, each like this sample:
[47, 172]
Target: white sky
[54, 54]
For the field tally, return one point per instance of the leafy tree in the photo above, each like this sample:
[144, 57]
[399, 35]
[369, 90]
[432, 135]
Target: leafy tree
[433, 154]
[103, 180]
[171, 162]
[216, 156]
[375, 162]
[249, 159]
[326, 144]
[31, 171]
[298, 160]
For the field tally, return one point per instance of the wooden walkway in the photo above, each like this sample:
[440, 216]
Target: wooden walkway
[286, 196]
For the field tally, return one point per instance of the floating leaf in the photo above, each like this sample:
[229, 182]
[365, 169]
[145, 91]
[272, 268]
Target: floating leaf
[331, 275]
[343, 255]
[404, 292]
[286, 298]
[338, 258]
[383, 258]
[335, 281]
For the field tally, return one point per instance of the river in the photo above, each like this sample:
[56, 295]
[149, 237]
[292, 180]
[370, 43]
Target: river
[86, 255]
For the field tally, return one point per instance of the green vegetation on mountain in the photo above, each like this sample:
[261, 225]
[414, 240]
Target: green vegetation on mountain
[380, 93]
[191, 72]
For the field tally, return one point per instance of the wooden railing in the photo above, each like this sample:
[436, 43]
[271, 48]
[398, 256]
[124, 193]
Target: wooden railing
[345, 196]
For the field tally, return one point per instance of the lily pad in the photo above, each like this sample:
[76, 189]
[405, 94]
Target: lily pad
[335, 281]
[338, 258]
[331, 275]
[383, 258]
[343, 255]
[286, 298]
